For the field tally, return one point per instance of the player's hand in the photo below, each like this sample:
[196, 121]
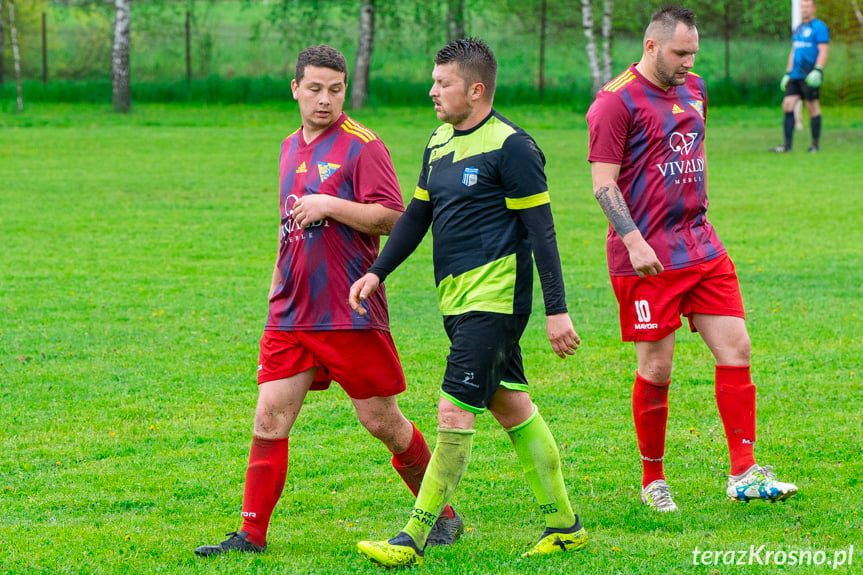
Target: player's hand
[643, 259]
[362, 289]
[784, 82]
[561, 334]
[815, 77]
[310, 209]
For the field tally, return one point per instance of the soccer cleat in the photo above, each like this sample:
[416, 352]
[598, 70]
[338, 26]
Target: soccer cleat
[814, 149]
[235, 542]
[445, 531]
[759, 483]
[779, 149]
[555, 540]
[400, 551]
[658, 495]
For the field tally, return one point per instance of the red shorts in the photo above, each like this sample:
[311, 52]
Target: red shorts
[650, 307]
[364, 362]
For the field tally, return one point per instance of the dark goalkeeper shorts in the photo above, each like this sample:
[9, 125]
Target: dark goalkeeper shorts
[484, 354]
[802, 89]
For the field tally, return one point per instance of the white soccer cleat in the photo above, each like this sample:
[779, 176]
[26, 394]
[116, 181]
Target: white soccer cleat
[658, 495]
[758, 483]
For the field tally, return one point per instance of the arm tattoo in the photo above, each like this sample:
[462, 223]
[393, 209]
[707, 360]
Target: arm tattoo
[615, 209]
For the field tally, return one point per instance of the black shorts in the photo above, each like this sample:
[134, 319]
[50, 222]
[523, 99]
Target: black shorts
[484, 354]
[801, 88]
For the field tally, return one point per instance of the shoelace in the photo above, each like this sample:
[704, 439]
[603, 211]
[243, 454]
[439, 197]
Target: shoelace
[662, 496]
[767, 473]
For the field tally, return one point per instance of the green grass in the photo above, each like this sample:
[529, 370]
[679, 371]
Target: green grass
[136, 254]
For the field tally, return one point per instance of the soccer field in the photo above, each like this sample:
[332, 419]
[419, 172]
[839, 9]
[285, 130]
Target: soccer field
[135, 257]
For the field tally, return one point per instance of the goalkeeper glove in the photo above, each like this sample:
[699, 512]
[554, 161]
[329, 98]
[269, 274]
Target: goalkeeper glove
[815, 77]
[784, 82]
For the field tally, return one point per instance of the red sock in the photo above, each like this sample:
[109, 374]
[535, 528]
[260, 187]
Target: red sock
[265, 480]
[735, 397]
[650, 411]
[411, 465]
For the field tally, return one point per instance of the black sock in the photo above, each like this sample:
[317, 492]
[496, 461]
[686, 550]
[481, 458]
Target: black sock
[789, 129]
[815, 124]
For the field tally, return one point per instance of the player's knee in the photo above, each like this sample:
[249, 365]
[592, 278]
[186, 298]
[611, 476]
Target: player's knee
[656, 372]
[387, 429]
[272, 421]
[376, 428]
[742, 349]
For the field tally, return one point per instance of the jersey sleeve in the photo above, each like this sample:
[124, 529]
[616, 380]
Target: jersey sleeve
[822, 33]
[523, 177]
[522, 170]
[375, 180]
[608, 124]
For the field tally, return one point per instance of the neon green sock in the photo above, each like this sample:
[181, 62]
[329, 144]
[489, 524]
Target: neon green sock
[446, 468]
[540, 459]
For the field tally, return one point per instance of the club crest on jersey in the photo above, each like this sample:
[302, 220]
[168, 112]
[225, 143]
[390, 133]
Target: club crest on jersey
[699, 107]
[469, 176]
[325, 170]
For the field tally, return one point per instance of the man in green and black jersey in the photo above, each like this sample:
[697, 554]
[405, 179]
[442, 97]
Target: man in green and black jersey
[483, 192]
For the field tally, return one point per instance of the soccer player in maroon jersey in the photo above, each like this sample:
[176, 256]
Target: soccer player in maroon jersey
[664, 257]
[339, 193]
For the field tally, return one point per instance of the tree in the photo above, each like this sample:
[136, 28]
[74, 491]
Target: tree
[2, 43]
[455, 20]
[592, 59]
[607, 36]
[543, 21]
[16, 56]
[857, 13]
[120, 79]
[360, 84]
[599, 76]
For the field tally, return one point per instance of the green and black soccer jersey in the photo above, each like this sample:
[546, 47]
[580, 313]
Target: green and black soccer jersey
[484, 194]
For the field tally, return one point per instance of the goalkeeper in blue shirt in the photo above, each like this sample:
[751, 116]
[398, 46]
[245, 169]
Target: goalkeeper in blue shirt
[805, 74]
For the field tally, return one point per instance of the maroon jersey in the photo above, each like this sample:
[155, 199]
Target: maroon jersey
[319, 263]
[657, 138]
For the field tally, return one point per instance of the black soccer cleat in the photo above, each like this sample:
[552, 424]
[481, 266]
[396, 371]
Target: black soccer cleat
[814, 149]
[235, 542]
[446, 531]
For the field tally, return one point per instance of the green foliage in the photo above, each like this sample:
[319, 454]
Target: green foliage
[245, 51]
[136, 254]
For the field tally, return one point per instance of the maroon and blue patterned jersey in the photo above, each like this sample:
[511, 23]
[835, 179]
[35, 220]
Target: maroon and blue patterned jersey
[319, 263]
[657, 139]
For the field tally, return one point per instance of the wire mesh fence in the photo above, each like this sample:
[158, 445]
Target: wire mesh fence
[245, 50]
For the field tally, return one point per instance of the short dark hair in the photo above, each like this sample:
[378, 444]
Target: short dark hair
[322, 56]
[476, 61]
[664, 21]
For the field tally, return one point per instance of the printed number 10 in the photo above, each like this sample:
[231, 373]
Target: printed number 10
[642, 310]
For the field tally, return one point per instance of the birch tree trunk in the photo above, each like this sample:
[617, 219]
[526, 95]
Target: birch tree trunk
[857, 12]
[2, 43]
[592, 57]
[360, 83]
[120, 82]
[454, 20]
[607, 39]
[16, 56]
[542, 28]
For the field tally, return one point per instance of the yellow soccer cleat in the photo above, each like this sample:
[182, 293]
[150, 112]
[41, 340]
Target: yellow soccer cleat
[400, 551]
[559, 541]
